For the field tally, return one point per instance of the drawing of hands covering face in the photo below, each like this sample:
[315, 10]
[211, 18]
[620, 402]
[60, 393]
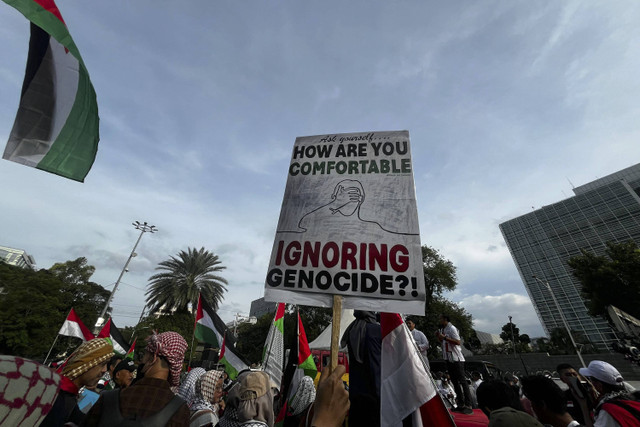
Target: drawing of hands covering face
[346, 200]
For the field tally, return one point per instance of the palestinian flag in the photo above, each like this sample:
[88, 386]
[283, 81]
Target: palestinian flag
[406, 384]
[56, 126]
[109, 331]
[131, 353]
[209, 327]
[273, 353]
[73, 327]
[233, 364]
[305, 360]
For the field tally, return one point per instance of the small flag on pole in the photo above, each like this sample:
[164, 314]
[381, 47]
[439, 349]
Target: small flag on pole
[56, 126]
[273, 353]
[109, 330]
[131, 353]
[305, 360]
[73, 327]
[233, 364]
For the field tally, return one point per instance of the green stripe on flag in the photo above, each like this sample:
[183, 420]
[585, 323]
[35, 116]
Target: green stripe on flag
[207, 335]
[73, 152]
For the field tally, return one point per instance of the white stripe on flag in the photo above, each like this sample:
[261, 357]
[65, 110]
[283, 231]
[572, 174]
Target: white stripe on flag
[405, 383]
[71, 329]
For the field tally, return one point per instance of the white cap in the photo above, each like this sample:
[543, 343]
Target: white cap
[602, 371]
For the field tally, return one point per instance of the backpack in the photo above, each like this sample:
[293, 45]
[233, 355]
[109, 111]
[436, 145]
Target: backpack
[112, 417]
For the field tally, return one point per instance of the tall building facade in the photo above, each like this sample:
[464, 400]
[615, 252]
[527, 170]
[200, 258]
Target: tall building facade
[541, 242]
[17, 257]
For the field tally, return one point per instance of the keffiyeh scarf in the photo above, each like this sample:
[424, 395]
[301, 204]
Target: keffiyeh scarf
[205, 390]
[172, 347]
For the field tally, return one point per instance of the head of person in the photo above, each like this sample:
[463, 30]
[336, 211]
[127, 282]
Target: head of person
[209, 387]
[164, 356]
[411, 324]
[444, 320]
[547, 399]
[496, 394]
[88, 363]
[348, 195]
[112, 363]
[566, 372]
[187, 387]
[303, 397]
[475, 376]
[604, 377]
[255, 398]
[123, 373]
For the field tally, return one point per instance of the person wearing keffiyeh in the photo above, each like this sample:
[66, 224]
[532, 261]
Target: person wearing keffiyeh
[187, 388]
[208, 392]
[160, 369]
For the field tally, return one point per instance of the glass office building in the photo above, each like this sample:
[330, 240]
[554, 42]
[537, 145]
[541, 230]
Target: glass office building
[17, 257]
[541, 242]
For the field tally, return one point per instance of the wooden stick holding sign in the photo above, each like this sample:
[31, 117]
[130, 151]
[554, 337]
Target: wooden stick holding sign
[335, 331]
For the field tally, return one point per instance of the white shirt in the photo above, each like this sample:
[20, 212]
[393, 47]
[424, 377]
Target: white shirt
[421, 340]
[451, 351]
[605, 420]
[476, 384]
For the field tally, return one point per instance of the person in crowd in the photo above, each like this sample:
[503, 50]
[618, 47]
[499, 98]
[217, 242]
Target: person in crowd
[576, 395]
[84, 368]
[300, 404]
[150, 397]
[616, 406]
[449, 338]
[476, 380]
[500, 403]
[109, 383]
[547, 401]
[446, 389]
[421, 340]
[207, 398]
[363, 339]
[187, 389]
[250, 402]
[123, 373]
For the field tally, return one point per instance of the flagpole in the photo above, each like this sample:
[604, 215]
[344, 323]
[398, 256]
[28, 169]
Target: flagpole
[54, 343]
[335, 331]
[193, 336]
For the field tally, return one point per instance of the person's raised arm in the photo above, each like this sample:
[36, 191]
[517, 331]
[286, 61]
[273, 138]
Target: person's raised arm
[332, 399]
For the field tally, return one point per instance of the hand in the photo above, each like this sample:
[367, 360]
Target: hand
[332, 400]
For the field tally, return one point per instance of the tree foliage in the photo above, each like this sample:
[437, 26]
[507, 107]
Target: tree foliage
[181, 322]
[34, 305]
[183, 278]
[506, 333]
[611, 279]
[439, 273]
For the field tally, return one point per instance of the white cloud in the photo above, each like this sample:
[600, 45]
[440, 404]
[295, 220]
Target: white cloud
[490, 313]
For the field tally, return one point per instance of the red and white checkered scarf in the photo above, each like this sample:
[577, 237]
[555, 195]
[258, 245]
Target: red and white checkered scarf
[172, 347]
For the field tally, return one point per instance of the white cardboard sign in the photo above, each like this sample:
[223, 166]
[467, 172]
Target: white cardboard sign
[349, 225]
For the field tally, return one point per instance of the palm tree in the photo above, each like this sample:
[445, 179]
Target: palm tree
[183, 278]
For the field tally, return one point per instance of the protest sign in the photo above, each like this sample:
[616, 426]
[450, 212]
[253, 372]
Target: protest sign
[349, 225]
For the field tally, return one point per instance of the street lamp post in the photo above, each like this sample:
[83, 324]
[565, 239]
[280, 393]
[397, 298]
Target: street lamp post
[513, 339]
[564, 321]
[144, 228]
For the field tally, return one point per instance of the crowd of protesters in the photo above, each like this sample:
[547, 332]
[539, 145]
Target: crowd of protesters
[157, 391]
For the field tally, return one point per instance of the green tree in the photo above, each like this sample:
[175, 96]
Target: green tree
[439, 274]
[180, 321]
[34, 305]
[560, 342]
[525, 339]
[611, 279]
[506, 332]
[183, 278]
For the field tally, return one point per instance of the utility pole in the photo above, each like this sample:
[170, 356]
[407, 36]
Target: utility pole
[144, 228]
[513, 339]
[564, 321]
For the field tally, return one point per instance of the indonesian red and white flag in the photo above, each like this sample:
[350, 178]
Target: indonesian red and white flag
[406, 388]
[73, 327]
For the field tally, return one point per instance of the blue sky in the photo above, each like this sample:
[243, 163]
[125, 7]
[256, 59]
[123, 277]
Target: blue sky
[201, 101]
